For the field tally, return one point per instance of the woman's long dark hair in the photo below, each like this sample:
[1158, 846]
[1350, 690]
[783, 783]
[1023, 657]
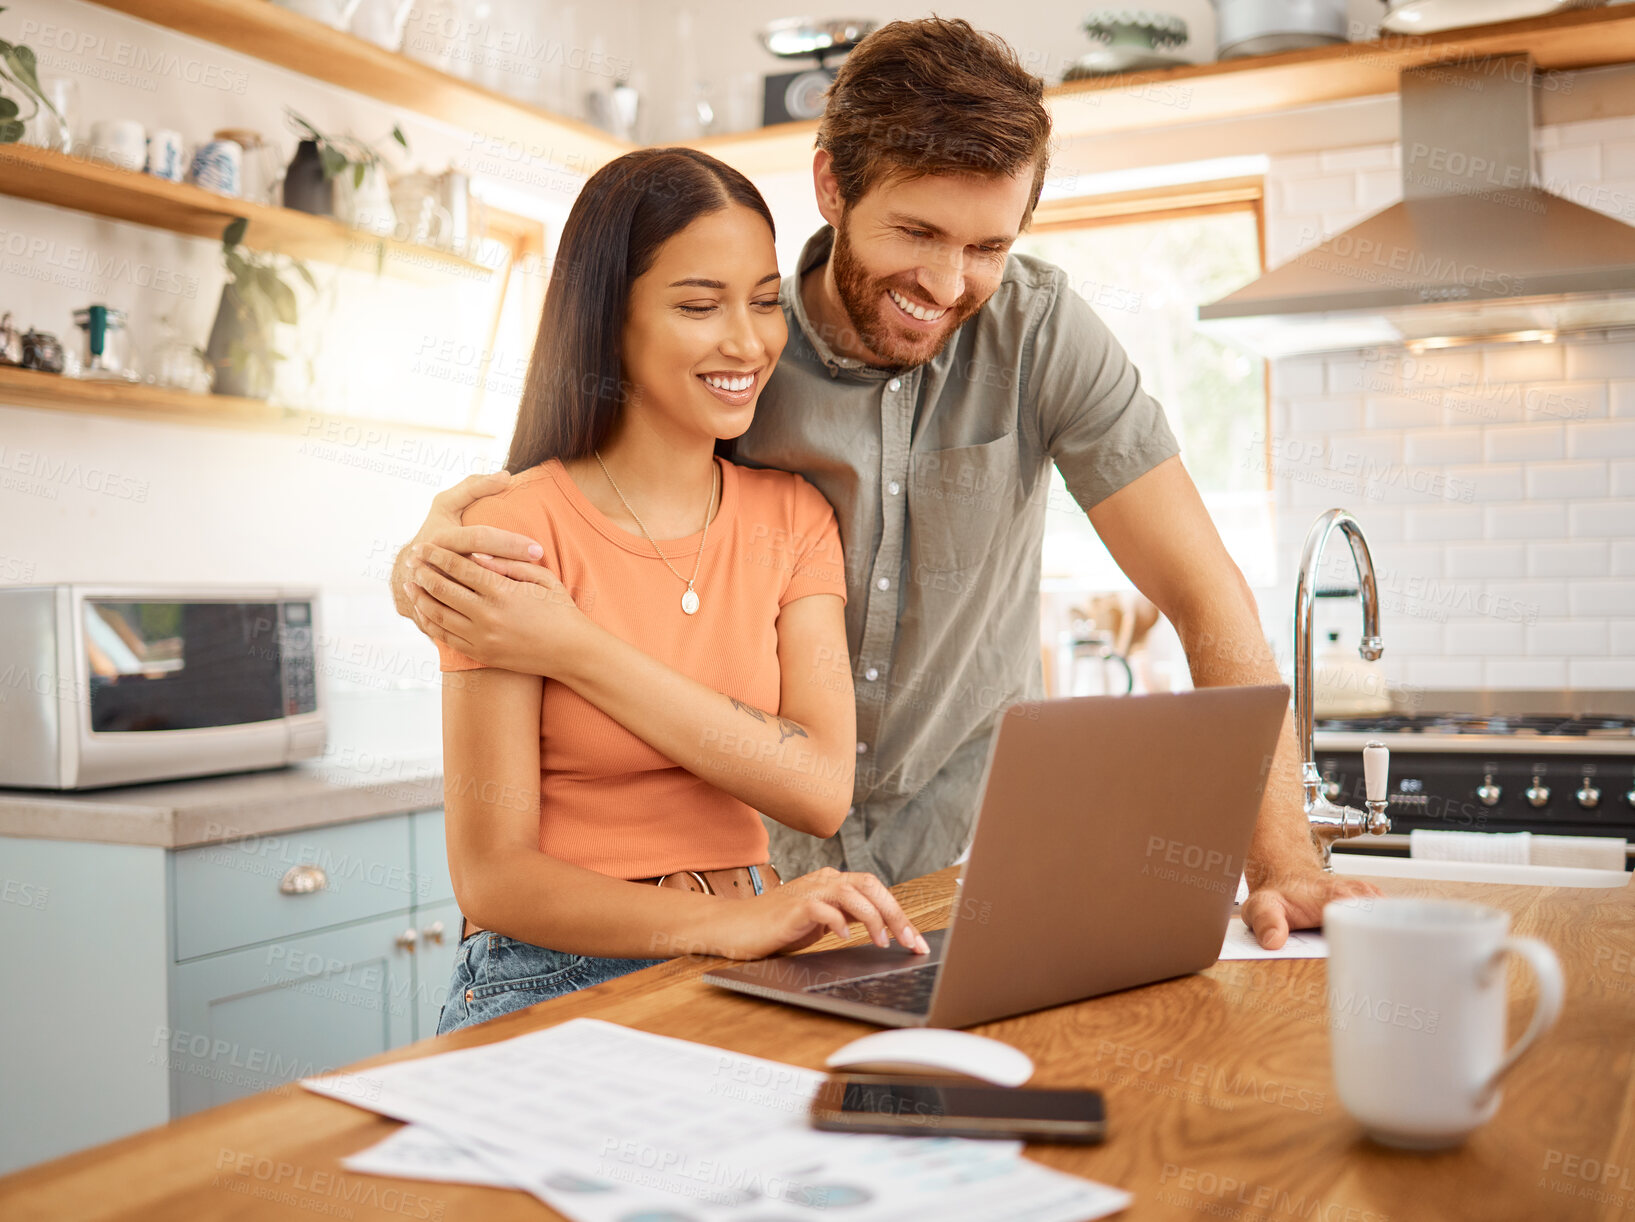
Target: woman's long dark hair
[626, 211]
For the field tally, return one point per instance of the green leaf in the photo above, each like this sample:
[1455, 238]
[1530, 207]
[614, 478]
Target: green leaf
[357, 176]
[11, 131]
[283, 300]
[8, 108]
[237, 268]
[397, 134]
[301, 269]
[334, 161]
[21, 62]
[233, 235]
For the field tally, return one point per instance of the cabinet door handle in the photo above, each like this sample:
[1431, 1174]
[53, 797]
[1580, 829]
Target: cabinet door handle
[407, 940]
[433, 933]
[303, 880]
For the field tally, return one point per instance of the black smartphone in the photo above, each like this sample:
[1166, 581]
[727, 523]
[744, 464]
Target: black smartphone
[862, 1103]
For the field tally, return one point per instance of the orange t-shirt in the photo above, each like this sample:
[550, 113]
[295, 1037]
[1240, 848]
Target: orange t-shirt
[608, 801]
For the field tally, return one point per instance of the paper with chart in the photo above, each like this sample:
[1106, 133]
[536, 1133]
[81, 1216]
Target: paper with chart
[602, 1122]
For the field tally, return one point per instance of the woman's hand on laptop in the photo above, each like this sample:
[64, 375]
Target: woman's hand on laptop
[503, 613]
[803, 910]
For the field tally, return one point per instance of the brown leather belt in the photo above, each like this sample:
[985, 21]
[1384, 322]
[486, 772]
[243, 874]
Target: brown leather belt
[734, 882]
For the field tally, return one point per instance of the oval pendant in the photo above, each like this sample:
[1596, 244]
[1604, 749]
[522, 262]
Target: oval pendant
[689, 602]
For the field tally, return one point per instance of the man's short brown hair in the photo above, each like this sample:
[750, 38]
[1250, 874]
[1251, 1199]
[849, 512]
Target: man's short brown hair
[934, 96]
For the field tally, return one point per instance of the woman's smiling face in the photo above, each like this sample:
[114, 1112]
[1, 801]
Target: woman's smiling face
[703, 327]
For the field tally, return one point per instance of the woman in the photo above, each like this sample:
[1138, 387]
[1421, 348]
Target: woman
[657, 679]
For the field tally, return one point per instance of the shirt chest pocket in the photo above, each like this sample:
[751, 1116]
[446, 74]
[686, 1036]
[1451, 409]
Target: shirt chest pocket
[959, 501]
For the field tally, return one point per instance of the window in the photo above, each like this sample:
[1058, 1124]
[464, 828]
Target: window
[1146, 275]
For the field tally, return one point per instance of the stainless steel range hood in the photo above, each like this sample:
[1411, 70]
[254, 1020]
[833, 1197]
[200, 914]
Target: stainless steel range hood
[1475, 252]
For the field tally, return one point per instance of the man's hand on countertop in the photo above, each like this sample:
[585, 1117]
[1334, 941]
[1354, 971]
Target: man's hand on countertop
[1279, 903]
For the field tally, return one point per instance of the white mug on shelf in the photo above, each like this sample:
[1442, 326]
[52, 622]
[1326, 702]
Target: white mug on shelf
[165, 155]
[120, 142]
[1417, 1014]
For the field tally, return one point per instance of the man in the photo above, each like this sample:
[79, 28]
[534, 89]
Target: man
[929, 381]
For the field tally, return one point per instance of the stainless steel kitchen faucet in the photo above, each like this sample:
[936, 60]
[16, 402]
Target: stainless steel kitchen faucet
[1328, 821]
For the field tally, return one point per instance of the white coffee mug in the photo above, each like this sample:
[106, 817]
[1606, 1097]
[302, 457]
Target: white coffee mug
[1417, 1011]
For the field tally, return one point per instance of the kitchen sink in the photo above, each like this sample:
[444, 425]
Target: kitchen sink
[1375, 866]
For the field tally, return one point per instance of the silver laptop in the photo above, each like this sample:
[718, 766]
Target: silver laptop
[1107, 853]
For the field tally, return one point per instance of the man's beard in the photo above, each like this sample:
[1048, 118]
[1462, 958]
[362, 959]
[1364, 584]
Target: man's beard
[860, 297]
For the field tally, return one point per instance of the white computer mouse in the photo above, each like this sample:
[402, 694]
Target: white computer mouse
[934, 1050]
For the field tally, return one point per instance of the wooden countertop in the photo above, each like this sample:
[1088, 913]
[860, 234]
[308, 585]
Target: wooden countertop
[1219, 1097]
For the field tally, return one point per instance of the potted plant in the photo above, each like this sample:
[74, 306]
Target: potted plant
[341, 176]
[17, 73]
[254, 300]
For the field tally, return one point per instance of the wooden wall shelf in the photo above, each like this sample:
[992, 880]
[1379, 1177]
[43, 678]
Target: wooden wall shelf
[137, 400]
[1201, 93]
[276, 35]
[49, 177]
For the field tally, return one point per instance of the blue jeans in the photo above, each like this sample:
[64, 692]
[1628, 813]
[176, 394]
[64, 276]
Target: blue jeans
[494, 975]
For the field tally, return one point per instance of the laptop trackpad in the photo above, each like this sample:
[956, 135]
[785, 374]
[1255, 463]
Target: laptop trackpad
[851, 962]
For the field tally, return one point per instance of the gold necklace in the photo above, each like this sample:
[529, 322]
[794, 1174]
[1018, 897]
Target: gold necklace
[689, 600]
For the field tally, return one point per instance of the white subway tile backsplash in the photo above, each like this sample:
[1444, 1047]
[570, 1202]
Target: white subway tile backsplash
[1526, 601]
[1622, 643]
[1485, 560]
[1394, 413]
[1601, 672]
[1526, 363]
[1578, 638]
[1297, 377]
[1622, 561]
[1377, 189]
[1601, 439]
[1603, 598]
[1570, 163]
[1597, 360]
[1324, 416]
[1618, 159]
[1483, 637]
[1350, 375]
[1492, 482]
[1602, 519]
[1623, 479]
[1513, 443]
[1559, 481]
[1442, 522]
[1408, 636]
[1428, 447]
[1592, 131]
[1322, 193]
[1530, 672]
[1569, 401]
[1622, 399]
[1362, 157]
[1526, 521]
[1568, 559]
[1444, 672]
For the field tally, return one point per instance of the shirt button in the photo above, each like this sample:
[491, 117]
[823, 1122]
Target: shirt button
[895, 384]
[871, 674]
[862, 747]
[884, 583]
[894, 487]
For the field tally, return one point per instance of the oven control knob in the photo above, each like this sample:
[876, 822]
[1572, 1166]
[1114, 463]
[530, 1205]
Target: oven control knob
[1589, 797]
[1487, 793]
[1538, 793]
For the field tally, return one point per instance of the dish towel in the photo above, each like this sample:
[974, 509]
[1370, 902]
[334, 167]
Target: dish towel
[1518, 849]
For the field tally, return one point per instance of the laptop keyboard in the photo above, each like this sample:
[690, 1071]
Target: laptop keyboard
[908, 990]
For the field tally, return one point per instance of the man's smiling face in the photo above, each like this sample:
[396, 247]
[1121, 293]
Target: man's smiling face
[915, 257]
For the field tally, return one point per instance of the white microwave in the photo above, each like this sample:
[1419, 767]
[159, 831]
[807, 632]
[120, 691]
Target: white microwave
[112, 685]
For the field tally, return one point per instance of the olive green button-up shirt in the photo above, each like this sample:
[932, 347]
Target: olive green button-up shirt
[939, 476]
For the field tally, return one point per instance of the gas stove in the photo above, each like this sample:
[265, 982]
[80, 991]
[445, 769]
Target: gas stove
[1558, 763]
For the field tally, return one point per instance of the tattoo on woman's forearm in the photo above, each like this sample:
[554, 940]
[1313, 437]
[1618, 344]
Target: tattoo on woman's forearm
[748, 708]
[787, 730]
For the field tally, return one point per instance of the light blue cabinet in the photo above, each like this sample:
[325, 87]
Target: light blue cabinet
[148, 984]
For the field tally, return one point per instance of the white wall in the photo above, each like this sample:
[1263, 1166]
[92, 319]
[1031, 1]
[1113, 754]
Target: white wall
[1496, 483]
